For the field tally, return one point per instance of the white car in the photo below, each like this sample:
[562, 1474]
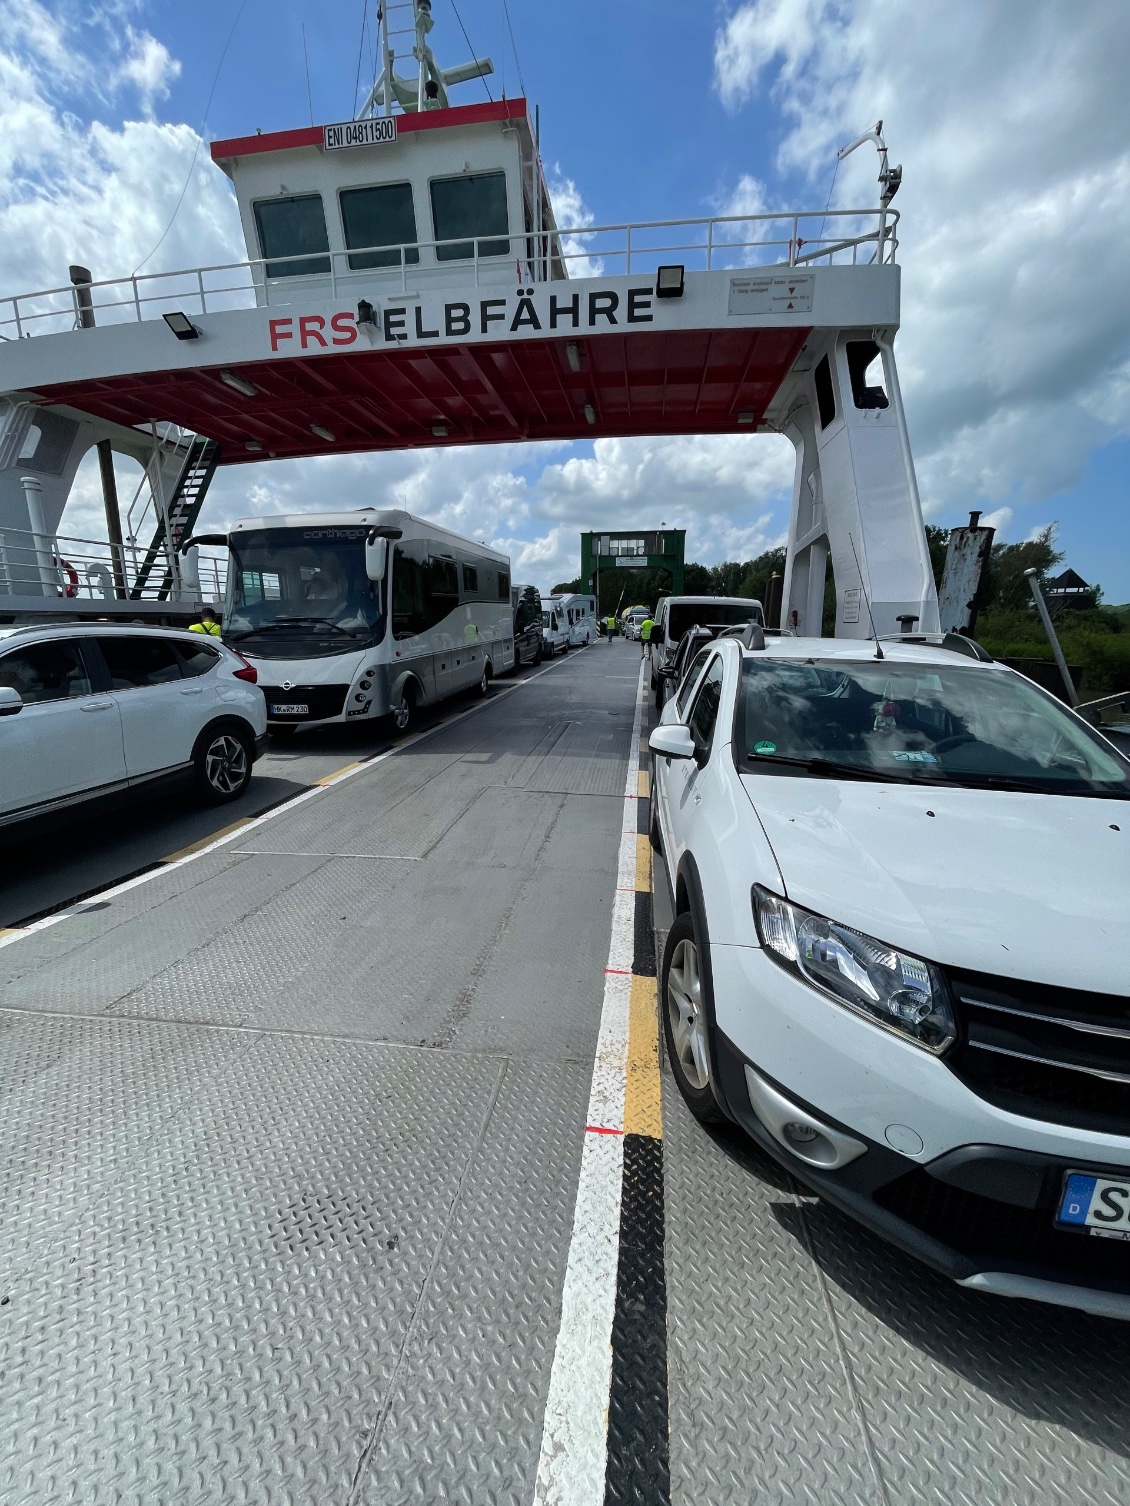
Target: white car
[898, 958]
[91, 715]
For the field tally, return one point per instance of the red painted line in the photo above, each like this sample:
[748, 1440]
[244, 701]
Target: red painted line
[623, 972]
[599, 1129]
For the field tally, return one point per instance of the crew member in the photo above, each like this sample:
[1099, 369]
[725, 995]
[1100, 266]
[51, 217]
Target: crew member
[610, 627]
[645, 635]
[209, 623]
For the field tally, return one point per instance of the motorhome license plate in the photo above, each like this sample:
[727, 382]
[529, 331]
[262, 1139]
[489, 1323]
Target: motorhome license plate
[288, 708]
[1098, 1205]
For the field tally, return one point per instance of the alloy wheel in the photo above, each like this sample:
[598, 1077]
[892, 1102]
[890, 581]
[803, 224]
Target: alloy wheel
[225, 764]
[686, 1015]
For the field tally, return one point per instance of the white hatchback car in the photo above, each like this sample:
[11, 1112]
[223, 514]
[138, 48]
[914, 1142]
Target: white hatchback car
[898, 959]
[91, 715]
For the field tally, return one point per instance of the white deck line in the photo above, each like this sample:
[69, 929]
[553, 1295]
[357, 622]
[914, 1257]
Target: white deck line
[574, 1443]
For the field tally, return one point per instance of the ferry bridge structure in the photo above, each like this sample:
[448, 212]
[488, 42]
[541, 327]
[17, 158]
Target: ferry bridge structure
[340, 1162]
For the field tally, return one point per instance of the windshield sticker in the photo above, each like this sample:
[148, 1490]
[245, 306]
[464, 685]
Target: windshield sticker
[905, 755]
[765, 747]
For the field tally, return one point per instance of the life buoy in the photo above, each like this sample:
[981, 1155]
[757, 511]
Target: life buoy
[70, 577]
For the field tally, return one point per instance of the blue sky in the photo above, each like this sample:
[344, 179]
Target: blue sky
[1015, 347]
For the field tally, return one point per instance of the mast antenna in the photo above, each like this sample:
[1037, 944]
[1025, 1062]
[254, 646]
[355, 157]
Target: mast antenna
[890, 178]
[879, 654]
[429, 89]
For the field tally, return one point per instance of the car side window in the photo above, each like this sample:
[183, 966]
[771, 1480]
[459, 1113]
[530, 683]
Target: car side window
[689, 679]
[45, 672]
[704, 714]
[138, 662]
[197, 659]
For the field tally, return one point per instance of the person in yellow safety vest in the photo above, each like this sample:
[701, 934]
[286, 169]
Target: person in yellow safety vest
[645, 635]
[610, 627]
[209, 623]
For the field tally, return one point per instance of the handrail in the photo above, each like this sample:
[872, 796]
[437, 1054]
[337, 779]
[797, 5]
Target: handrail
[257, 282]
[83, 569]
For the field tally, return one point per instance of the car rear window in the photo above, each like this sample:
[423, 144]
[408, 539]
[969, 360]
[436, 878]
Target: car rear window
[684, 615]
[138, 662]
[197, 658]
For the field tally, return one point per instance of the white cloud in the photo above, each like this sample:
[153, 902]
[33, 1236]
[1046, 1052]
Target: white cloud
[1016, 212]
[149, 68]
[570, 212]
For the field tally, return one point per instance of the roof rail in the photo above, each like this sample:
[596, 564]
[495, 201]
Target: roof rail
[750, 635]
[957, 643]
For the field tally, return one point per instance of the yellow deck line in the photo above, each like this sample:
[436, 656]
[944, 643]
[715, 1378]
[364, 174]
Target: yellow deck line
[10, 930]
[643, 1100]
[643, 863]
[186, 852]
[345, 769]
[643, 785]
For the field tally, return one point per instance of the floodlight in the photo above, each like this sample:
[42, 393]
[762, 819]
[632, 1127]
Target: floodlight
[590, 413]
[322, 433]
[669, 282]
[573, 355]
[181, 326]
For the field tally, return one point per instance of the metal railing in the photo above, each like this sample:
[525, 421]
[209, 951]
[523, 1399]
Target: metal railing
[724, 242]
[66, 568]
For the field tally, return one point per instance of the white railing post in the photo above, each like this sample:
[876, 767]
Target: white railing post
[200, 285]
[709, 245]
[5, 574]
[136, 299]
[628, 253]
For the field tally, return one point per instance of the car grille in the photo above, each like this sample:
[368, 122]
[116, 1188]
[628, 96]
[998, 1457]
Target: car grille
[1056, 1054]
[997, 1234]
[322, 701]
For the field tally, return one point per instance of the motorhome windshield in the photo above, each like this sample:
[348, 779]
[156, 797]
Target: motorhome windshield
[918, 724]
[301, 592]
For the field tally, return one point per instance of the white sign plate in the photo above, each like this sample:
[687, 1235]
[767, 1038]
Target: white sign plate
[375, 132]
[772, 295]
[851, 604]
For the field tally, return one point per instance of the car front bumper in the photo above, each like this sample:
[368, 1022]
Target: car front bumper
[977, 1201]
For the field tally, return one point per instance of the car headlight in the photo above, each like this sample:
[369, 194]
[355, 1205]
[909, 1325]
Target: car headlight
[900, 992]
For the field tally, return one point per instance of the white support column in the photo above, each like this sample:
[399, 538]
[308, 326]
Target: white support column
[41, 539]
[855, 497]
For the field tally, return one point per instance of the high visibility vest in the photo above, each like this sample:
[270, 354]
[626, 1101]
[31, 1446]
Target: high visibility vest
[211, 628]
[645, 629]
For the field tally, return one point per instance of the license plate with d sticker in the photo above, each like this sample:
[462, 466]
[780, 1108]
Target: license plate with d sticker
[1096, 1205]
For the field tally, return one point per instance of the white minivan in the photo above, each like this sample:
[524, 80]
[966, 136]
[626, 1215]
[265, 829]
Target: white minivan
[901, 880]
[95, 714]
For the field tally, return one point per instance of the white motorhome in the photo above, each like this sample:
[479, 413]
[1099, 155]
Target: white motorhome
[579, 616]
[352, 616]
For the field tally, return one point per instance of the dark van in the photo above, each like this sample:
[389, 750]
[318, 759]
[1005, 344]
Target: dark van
[528, 645]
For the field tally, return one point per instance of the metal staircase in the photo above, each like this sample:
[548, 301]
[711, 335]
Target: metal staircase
[182, 512]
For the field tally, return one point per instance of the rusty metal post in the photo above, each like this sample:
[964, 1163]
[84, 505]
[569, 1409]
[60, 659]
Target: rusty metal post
[967, 556]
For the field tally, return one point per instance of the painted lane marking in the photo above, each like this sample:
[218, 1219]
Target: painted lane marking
[211, 844]
[644, 789]
[643, 1104]
[184, 852]
[574, 1444]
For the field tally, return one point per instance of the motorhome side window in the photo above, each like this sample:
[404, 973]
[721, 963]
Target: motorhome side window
[470, 581]
[444, 582]
[504, 585]
[292, 227]
[474, 204]
[380, 216]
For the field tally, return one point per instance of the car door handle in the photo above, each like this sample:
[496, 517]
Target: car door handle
[98, 706]
[191, 689]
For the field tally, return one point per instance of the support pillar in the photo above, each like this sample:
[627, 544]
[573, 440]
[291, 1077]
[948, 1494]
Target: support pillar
[41, 539]
[113, 517]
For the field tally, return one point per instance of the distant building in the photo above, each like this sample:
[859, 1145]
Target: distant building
[1069, 590]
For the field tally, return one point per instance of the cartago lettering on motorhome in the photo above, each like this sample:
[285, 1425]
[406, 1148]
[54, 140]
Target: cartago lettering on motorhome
[518, 314]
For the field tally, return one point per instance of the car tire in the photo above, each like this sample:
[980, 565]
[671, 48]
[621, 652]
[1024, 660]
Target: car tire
[653, 835]
[685, 1005]
[659, 695]
[404, 712]
[538, 655]
[222, 762]
[484, 682]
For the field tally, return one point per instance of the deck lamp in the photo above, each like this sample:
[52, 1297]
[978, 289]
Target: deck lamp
[322, 433]
[439, 429]
[365, 312]
[181, 326]
[239, 384]
[573, 355]
[590, 413]
[669, 282]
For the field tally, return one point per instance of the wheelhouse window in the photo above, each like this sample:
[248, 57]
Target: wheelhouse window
[474, 204]
[293, 227]
[382, 215]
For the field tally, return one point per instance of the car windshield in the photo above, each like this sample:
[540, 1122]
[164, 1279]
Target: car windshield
[917, 723]
[683, 615]
[300, 592]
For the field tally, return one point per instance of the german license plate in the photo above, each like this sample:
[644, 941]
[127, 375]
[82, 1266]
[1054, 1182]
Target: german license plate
[289, 708]
[1096, 1205]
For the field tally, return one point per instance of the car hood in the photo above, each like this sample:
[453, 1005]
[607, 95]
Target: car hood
[1026, 886]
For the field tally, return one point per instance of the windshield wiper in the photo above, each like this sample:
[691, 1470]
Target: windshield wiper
[829, 766]
[288, 622]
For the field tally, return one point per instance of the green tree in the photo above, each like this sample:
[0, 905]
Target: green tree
[1006, 586]
[937, 540]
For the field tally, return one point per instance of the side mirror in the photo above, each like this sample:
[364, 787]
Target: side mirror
[674, 741]
[666, 672]
[220, 539]
[11, 701]
[376, 558]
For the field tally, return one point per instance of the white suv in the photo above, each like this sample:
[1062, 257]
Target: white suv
[93, 714]
[898, 961]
